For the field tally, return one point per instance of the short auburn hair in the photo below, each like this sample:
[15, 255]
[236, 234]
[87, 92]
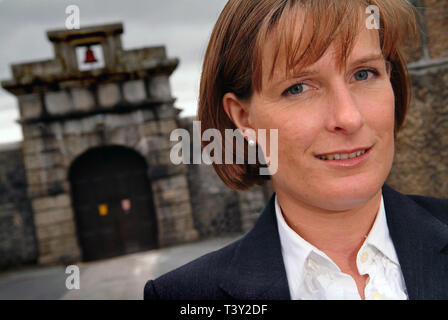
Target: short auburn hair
[233, 60]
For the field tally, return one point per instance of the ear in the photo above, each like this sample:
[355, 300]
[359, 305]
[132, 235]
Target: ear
[238, 111]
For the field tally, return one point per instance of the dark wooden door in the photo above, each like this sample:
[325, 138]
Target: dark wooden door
[113, 204]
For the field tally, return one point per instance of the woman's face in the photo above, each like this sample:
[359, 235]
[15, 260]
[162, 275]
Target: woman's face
[325, 113]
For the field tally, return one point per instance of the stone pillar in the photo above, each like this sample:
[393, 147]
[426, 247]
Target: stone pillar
[56, 232]
[172, 200]
[170, 186]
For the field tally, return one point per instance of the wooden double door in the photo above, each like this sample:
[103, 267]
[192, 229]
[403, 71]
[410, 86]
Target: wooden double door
[113, 204]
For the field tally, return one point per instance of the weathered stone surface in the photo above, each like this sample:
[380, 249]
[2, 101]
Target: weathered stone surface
[421, 161]
[251, 203]
[109, 94]
[170, 183]
[166, 112]
[149, 128]
[59, 250]
[52, 202]
[161, 171]
[177, 209]
[134, 91]
[148, 145]
[43, 160]
[138, 59]
[45, 189]
[18, 244]
[30, 106]
[32, 131]
[124, 136]
[50, 217]
[55, 246]
[160, 158]
[436, 13]
[56, 230]
[83, 99]
[167, 126]
[33, 146]
[167, 197]
[112, 121]
[159, 87]
[46, 176]
[58, 102]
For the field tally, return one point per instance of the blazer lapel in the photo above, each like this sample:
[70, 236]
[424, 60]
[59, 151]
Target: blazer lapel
[419, 239]
[257, 270]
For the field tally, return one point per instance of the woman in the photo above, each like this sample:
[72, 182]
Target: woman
[337, 91]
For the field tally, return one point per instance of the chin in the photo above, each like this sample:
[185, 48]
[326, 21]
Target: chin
[348, 202]
[348, 195]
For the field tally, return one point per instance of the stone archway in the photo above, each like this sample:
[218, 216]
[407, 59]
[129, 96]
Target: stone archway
[112, 202]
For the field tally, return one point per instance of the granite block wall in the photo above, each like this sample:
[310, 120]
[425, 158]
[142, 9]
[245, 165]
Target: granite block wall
[421, 157]
[18, 244]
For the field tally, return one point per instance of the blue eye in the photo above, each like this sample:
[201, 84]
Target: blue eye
[295, 89]
[362, 75]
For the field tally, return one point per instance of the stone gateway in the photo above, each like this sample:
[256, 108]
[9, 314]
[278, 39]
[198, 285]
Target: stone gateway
[96, 145]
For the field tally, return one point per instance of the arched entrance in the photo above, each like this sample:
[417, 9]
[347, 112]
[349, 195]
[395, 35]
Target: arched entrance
[113, 204]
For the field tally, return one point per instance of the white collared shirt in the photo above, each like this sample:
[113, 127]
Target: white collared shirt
[312, 275]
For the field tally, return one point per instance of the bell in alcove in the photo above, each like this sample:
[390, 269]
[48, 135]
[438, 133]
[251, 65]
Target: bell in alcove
[90, 57]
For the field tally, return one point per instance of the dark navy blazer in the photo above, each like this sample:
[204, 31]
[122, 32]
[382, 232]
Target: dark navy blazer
[252, 267]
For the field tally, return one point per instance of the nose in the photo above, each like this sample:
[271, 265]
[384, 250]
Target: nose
[344, 115]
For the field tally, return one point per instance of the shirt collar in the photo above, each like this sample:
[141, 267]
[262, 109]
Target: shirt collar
[379, 236]
[296, 249]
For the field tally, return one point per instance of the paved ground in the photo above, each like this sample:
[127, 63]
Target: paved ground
[118, 278]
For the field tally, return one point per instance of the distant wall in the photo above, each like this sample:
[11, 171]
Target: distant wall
[18, 243]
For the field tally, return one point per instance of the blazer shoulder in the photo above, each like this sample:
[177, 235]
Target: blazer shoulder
[198, 279]
[436, 206]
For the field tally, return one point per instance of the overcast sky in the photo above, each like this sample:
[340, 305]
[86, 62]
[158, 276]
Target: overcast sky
[183, 26]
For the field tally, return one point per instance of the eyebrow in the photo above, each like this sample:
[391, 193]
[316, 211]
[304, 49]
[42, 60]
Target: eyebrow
[310, 72]
[368, 58]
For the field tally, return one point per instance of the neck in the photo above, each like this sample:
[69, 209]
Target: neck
[337, 233]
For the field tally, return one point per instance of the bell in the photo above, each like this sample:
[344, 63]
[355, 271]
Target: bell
[90, 57]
